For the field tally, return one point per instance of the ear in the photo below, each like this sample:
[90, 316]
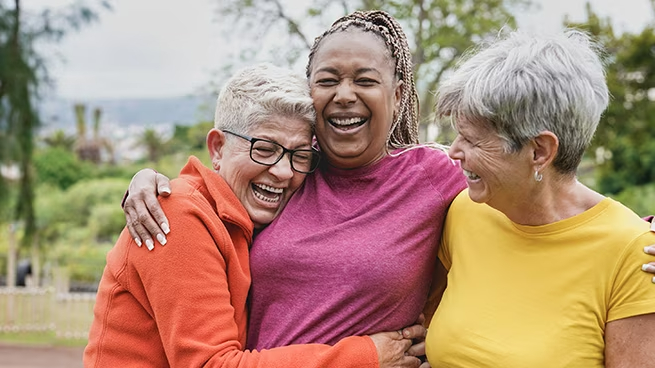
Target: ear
[215, 145]
[398, 94]
[544, 149]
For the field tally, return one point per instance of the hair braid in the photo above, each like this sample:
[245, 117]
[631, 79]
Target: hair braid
[404, 129]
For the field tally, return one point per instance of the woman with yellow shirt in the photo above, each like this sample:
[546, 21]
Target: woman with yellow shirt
[543, 271]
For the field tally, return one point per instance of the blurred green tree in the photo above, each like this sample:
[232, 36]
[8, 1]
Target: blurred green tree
[59, 139]
[60, 167]
[23, 73]
[154, 143]
[439, 31]
[623, 146]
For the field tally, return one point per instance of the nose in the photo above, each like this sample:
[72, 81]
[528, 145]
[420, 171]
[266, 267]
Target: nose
[455, 151]
[345, 94]
[282, 169]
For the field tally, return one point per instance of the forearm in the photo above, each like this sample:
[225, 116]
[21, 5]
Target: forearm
[351, 352]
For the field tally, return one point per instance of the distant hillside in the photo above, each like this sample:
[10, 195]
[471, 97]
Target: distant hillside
[187, 110]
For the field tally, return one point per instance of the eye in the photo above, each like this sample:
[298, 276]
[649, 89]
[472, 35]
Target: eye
[327, 82]
[302, 156]
[463, 138]
[366, 81]
[264, 149]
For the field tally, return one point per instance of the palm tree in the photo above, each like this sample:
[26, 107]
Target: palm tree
[154, 144]
[59, 139]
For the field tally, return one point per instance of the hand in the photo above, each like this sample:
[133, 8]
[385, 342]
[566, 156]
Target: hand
[145, 218]
[650, 267]
[391, 348]
[417, 333]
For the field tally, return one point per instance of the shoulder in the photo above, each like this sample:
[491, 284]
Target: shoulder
[444, 174]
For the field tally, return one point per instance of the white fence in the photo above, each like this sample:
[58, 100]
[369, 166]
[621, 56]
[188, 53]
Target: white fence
[68, 315]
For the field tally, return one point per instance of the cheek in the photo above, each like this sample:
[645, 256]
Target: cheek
[319, 100]
[296, 181]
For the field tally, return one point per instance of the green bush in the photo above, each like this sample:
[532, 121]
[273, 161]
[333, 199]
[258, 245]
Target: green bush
[81, 198]
[60, 167]
[640, 199]
[106, 222]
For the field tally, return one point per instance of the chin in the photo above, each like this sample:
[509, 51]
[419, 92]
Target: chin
[477, 197]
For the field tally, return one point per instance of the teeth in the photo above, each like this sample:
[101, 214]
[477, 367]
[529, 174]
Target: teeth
[276, 193]
[345, 122]
[270, 189]
[267, 199]
[470, 175]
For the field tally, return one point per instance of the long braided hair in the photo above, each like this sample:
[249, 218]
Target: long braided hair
[404, 129]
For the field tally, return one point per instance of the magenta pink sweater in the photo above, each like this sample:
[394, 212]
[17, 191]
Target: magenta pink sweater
[353, 251]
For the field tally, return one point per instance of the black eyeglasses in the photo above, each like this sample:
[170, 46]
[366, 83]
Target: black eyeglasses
[268, 153]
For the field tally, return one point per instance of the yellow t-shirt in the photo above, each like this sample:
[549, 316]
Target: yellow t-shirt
[537, 296]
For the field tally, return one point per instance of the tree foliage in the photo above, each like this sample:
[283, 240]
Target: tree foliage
[60, 167]
[23, 73]
[154, 143]
[625, 150]
[439, 31]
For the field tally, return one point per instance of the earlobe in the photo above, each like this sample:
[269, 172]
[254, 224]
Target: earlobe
[215, 145]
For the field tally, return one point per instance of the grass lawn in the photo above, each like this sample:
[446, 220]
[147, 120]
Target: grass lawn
[39, 338]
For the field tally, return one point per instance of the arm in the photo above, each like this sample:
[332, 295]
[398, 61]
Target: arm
[439, 283]
[629, 342]
[210, 333]
[630, 327]
[145, 218]
[650, 267]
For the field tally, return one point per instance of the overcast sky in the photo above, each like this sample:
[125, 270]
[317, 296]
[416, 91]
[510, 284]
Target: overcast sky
[165, 48]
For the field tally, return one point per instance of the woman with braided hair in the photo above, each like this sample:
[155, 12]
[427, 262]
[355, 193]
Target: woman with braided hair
[355, 247]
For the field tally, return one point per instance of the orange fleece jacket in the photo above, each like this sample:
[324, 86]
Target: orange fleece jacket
[184, 304]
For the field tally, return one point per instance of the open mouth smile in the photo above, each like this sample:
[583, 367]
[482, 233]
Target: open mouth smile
[348, 123]
[471, 175]
[267, 193]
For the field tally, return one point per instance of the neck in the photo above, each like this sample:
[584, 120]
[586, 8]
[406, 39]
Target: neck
[551, 200]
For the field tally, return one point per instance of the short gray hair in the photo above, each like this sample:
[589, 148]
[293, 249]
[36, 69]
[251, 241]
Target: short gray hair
[257, 93]
[524, 84]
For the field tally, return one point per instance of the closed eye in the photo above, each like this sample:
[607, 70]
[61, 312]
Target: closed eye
[366, 81]
[326, 82]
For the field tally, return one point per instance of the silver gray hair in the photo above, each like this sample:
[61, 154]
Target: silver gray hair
[260, 92]
[525, 84]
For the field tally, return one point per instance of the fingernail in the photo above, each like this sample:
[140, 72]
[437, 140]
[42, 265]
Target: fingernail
[166, 190]
[164, 226]
[653, 280]
[137, 241]
[649, 249]
[161, 239]
[648, 268]
[405, 333]
[149, 244]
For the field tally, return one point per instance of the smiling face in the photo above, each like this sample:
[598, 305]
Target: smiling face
[262, 190]
[355, 93]
[493, 175]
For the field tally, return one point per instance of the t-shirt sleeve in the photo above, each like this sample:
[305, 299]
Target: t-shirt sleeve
[633, 292]
[446, 244]
[446, 175]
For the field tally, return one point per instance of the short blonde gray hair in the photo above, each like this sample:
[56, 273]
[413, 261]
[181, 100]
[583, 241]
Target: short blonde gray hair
[524, 84]
[257, 93]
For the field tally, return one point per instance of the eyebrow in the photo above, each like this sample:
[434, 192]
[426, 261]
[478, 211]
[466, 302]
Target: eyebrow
[332, 70]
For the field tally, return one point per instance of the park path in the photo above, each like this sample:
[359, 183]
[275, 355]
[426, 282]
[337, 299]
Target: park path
[21, 356]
